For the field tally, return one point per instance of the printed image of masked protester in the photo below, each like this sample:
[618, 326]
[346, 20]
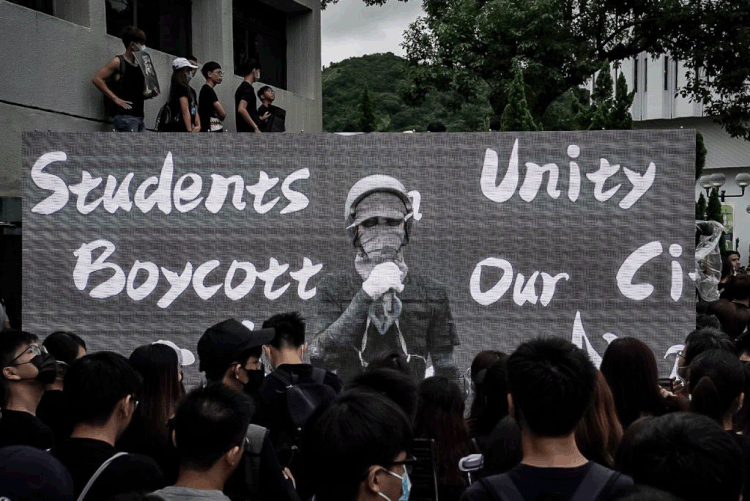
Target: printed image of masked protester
[26, 369]
[380, 305]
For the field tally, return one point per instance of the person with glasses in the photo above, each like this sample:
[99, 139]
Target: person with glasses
[209, 431]
[363, 439]
[66, 347]
[210, 110]
[229, 353]
[103, 390]
[26, 369]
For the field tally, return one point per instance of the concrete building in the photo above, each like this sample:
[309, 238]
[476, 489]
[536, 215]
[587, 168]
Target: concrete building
[50, 50]
[658, 105]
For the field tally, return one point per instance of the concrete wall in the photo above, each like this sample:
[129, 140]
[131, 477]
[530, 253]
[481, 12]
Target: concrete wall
[48, 61]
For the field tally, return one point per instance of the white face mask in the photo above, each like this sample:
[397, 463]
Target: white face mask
[140, 48]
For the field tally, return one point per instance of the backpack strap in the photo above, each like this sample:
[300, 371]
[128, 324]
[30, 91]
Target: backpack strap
[283, 377]
[592, 485]
[502, 488]
[97, 473]
[318, 375]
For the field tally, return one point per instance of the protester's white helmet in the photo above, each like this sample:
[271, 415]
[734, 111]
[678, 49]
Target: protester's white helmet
[367, 186]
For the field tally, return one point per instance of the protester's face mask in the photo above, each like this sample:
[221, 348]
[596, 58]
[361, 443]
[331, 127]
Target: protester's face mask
[381, 240]
[254, 380]
[405, 486]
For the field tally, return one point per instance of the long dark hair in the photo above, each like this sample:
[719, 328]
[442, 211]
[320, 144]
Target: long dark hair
[629, 366]
[490, 402]
[440, 416]
[716, 381]
[158, 365]
[599, 431]
[179, 79]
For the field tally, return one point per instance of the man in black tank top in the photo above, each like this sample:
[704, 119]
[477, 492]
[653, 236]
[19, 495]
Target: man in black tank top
[123, 84]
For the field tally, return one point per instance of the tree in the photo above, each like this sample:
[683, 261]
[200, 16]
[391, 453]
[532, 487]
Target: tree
[700, 208]
[459, 43]
[700, 154]
[620, 118]
[713, 213]
[367, 118]
[516, 115]
[601, 99]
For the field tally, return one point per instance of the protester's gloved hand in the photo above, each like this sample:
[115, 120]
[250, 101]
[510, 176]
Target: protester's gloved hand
[383, 277]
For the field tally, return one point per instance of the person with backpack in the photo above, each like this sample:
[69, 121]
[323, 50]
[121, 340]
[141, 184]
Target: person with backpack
[294, 389]
[229, 353]
[123, 84]
[183, 103]
[551, 383]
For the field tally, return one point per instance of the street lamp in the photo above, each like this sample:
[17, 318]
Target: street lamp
[717, 181]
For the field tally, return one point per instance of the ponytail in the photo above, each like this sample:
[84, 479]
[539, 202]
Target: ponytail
[706, 400]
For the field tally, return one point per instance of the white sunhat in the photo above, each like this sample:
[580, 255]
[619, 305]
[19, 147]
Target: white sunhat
[181, 62]
[184, 357]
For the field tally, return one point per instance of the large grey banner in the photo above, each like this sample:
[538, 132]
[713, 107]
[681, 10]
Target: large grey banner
[494, 238]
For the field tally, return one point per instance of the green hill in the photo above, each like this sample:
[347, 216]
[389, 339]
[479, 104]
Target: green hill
[385, 76]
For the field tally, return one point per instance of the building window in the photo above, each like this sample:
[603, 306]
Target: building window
[635, 73]
[666, 72]
[167, 23]
[45, 6]
[645, 74]
[260, 33]
[676, 74]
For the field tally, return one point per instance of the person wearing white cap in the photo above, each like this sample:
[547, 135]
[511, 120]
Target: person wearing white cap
[182, 98]
[379, 304]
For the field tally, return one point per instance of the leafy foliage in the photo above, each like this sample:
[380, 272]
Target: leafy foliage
[386, 78]
[459, 43]
[516, 115]
[367, 120]
[700, 154]
[700, 208]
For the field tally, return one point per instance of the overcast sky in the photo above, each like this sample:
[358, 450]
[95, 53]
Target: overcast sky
[352, 29]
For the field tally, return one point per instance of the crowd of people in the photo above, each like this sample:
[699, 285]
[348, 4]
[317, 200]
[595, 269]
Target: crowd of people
[125, 84]
[543, 422]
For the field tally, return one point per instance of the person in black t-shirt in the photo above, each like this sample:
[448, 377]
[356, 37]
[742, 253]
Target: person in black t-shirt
[123, 84]
[26, 369]
[551, 384]
[102, 390]
[244, 99]
[66, 347]
[276, 122]
[182, 99]
[210, 110]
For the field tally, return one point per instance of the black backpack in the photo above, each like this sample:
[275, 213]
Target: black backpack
[302, 399]
[166, 120]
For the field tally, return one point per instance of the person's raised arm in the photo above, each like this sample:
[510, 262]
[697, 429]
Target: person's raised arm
[100, 82]
[242, 110]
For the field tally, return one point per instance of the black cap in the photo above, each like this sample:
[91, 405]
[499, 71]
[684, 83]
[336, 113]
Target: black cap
[224, 342]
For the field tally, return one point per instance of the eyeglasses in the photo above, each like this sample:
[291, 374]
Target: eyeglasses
[135, 402]
[34, 349]
[408, 463]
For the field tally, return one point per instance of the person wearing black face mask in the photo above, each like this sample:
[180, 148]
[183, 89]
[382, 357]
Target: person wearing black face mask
[26, 369]
[229, 353]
